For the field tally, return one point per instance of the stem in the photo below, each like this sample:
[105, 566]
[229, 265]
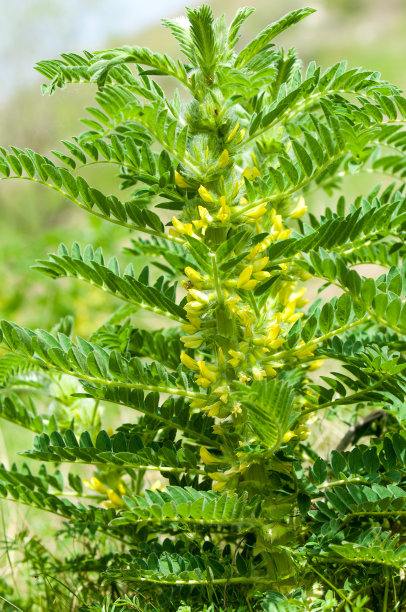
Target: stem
[65, 586]
[10, 604]
[132, 466]
[385, 595]
[330, 584]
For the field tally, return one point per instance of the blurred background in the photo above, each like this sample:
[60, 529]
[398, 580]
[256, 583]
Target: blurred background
[34, 220]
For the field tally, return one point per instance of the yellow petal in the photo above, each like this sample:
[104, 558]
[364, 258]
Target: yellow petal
[181, 182]
[207, 457]
[247, 173]
[223, 159]
[115, 499]
[189, 362]
[204, 370]
[98, 486]
[257, 212]
[233, 133]
[204, 194]
[244, 276]
[299, 209]
[199, 296]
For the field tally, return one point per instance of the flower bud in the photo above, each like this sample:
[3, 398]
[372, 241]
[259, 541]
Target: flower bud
[224, 159]
[204, 194]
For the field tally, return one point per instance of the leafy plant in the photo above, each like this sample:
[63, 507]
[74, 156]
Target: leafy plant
[228, 380]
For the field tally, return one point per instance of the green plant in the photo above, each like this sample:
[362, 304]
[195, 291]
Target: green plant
[245, 515]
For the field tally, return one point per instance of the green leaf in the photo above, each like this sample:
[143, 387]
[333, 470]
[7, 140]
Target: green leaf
[269, 33]
[270, 406]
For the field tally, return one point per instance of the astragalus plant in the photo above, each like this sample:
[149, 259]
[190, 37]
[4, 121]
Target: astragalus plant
[211, 494]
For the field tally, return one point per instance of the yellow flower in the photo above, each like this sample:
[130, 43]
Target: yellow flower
[157, 486]
[299, 209]
[96, 485]
[224, 212]
[199, 296]
[189, 362]
[206, 372]
[243, 378]
[270, 371]
[257, 212]
[224, 392]
[183, 228]
[260, 263]
[276, 343]
[285, 234]
[214, 409]
[249, 285]
[273, 333]
[223, 159]
[316, 364]
[305, 352]
[244, 277]
[204, 221]
[192, 341]
[181, 182]
[236, 189]
[247, 173]
[232, 303]
[241, 135]
[204, 194]
[194, 320]
[115, 499]
[207, 457]
[277, 224]
[258, 373]
[260, 247]
[237, 409]
[237, 358]
[233, 133]
[194, 276]
[261, 275]
[289, 310]
[288, 436]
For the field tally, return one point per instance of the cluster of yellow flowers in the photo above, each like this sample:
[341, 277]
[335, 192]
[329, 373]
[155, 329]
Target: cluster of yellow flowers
[254, 350]
[261, 333]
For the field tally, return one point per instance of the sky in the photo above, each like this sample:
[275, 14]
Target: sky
[32, 30]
